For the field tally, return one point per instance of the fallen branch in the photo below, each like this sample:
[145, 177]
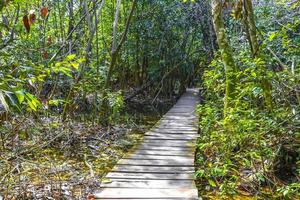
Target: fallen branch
[277, 58]
[140, 90]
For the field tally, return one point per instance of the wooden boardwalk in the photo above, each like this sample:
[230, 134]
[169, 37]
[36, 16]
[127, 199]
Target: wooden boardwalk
[162, 167]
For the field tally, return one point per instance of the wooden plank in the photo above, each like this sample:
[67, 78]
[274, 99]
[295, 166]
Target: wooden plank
[168, 145]
[174, 132]
[150, 184]
[173, 162]
[177, 127]
[186, 153]
[131, 193]
[165, 148]
[175, 117]
[154, 169]
[183, 158]
[150, 176]
[187, 128]
[171, 137]
[158, 143]
[168, 140]
[179, 115]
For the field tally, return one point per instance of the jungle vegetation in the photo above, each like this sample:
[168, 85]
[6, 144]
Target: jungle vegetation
[80, 80]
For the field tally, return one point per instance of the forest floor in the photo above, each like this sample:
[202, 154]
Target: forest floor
[52, 159]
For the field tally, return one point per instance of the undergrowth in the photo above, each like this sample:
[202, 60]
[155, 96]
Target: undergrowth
[252, 152]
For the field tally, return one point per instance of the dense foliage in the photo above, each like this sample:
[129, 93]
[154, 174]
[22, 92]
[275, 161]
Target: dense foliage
[254, 150]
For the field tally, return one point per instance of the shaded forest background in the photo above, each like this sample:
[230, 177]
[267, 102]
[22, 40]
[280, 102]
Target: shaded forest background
[82, 80]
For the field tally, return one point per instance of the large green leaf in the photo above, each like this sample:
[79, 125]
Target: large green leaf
[3, 101]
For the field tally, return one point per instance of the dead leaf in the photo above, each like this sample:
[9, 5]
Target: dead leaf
[32, 18]
[26, 23]
[91, 197]
[44, 12]
[45, 55]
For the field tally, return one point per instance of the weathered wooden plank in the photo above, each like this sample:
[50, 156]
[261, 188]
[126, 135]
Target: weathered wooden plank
[168, 143]
[186, 153]
[182, 132]
[168, 140]
[171, 122]
[154, 169]
[183, 158]
[174, 131]
[150, 184]
[177, 118]
[173, 162]
[175, 121]
[179, 115]
[131, 193]
[165, 148]
[150, 176]
[171, 137]
[187, 128]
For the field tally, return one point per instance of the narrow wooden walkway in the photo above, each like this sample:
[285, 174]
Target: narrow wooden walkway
[162, 167]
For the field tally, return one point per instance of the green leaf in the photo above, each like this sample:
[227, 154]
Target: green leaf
[200, 173]
[285, 192]
[54, 102]
[32, 101]
[75, 65]
[3, 101]
[20, 96]
[70, 57]
[272, 36]
[12, 99]
[212, 183]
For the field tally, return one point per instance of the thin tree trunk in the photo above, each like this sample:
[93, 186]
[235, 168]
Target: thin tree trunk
[71, 25]
[114, 55]
[255, 49]
[116, 48]
[227, 55]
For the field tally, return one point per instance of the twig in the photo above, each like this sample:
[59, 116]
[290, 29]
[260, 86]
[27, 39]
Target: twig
[277, 58]
[71, 32]
[92, 174]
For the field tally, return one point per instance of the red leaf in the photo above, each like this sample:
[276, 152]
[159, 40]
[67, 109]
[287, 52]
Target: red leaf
[26, 23]
[32, 18]
[44, 12]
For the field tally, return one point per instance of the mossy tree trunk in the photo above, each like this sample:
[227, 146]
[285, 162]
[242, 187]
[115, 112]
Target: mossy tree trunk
[255, 49]
[227, 56]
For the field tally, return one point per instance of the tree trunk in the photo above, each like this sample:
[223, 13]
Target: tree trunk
[227, 55]
[116, 48]
[252, 37]
[71, 25]
[114, 55]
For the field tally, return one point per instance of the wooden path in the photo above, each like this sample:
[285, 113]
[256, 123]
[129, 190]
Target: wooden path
[162, 167]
